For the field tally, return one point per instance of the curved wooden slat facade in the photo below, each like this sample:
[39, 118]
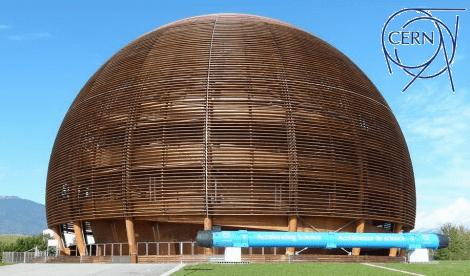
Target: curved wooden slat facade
[225, 115]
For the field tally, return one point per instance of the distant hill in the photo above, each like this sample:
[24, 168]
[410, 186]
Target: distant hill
[21, 216]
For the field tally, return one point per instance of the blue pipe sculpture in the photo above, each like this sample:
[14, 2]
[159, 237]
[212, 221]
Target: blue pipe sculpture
[327, 240]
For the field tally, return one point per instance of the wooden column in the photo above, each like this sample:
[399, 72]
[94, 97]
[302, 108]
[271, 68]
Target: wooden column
[292, 226]
[406, 229]
[359, 229]
[208, 226]
[131, 239]
[393, 251]
[77, 228]
[58, 238]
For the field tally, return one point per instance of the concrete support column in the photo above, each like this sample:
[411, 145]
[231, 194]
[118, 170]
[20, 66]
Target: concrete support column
[77, 228]
[292, 227]
[208, 226]
[58, 238]
[131, 239]
[359, 229]
[393, 251]
[406, 229]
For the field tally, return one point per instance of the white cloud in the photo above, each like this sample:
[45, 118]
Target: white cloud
[29, 36]
[4, 27]
[440, 118]
[436, 125]
[457, 213]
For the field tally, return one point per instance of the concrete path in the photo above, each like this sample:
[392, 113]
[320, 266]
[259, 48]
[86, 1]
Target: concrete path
[85, 269]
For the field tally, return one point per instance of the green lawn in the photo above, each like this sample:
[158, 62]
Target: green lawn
[443, 268]
[2, 264]
[9, 239]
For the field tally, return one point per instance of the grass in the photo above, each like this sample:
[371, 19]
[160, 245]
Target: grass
[4, 264]
[443, 268]
[9, 238]
[283, 269]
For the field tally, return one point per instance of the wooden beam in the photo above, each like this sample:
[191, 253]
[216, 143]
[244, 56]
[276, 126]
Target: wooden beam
[265, 223]
[58, 238]
[406, 229]
[77, 228]
[208, 226]
[292, 228]
[393, 251]
[131, 239]
[359, 229]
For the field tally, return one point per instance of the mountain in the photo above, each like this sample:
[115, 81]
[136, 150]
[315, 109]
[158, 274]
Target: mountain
[21, 216]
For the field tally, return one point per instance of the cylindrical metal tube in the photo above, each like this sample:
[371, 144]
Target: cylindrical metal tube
[329, 240]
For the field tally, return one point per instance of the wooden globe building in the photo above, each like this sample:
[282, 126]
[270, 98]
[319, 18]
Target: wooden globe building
[231, 120]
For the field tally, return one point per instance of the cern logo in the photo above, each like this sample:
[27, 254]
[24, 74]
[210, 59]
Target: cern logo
[413, 34]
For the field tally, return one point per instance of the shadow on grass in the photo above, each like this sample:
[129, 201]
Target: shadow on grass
[189, 271]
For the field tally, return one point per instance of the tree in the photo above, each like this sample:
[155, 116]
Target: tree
[459, 245]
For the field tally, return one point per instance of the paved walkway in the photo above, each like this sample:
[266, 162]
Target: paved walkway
[85, 269]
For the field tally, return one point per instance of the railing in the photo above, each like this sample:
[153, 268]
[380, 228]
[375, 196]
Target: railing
[108, 249]
[24, 257]
[188, 254]
[166, 248]
[143, 249]
[190, 248]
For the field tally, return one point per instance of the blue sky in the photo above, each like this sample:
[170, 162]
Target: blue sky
[48, 50]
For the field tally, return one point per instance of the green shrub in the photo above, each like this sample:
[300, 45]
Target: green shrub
[459, 246]
[24, 244]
